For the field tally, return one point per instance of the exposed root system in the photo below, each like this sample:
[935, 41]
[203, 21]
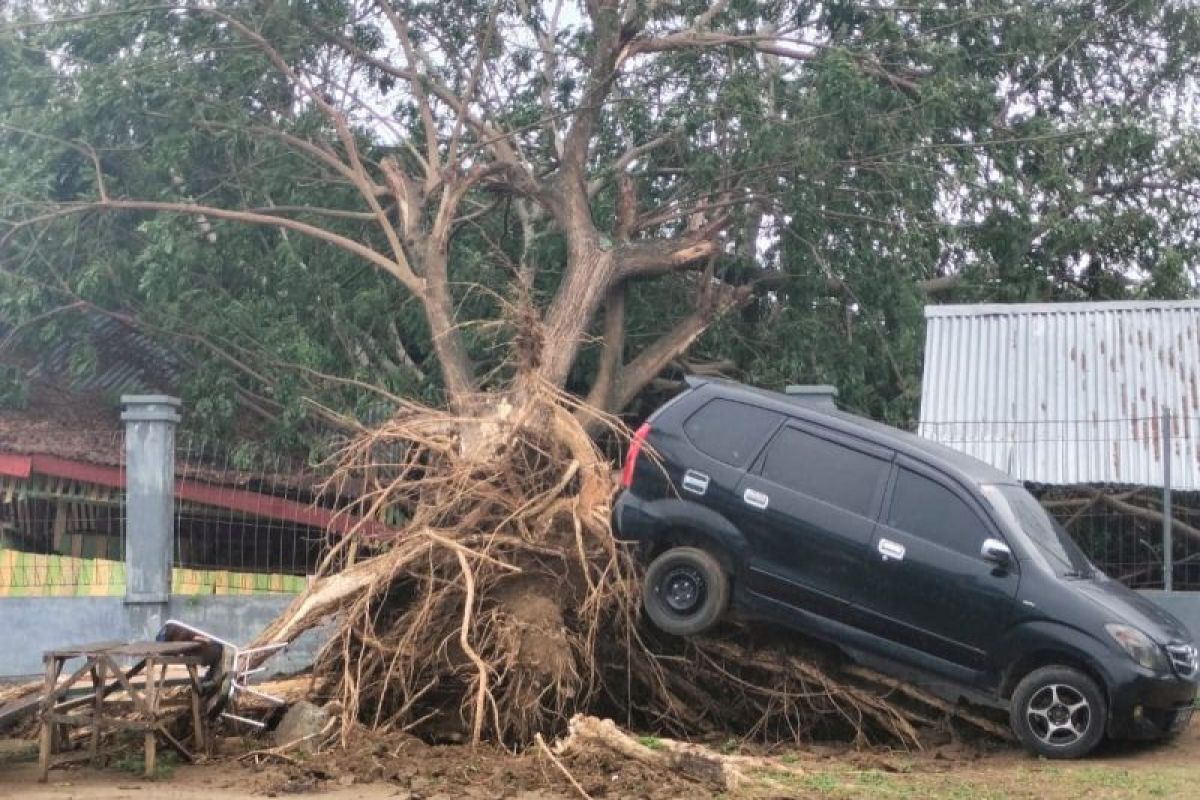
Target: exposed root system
[481, 596]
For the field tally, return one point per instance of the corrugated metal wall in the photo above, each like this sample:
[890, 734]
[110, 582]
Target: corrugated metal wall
[1069, 392]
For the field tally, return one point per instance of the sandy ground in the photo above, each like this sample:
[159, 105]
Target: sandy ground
[412, 771]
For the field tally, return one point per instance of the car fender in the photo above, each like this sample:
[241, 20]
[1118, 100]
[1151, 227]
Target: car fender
[676, 514]
[1024, 642]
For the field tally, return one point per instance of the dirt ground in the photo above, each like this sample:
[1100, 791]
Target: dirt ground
[409, 770]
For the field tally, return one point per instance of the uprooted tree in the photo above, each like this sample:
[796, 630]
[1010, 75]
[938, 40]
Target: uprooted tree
[531, 178]
[481, 581]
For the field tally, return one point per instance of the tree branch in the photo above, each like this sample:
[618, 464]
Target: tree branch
[400, 27]
[546, 43]
[628, 157]
[498, 141]
[768, 44]
[399, 271]
[608, 41]
[355, 170]
[646, 366]
[611, 351]
[645, 259]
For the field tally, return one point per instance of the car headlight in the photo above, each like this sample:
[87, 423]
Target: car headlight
[1140, 647]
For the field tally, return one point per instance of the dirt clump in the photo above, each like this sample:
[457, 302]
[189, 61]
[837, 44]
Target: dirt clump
[422, 771]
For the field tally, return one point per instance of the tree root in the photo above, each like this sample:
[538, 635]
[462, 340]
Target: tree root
[952, 711]
[725, 772]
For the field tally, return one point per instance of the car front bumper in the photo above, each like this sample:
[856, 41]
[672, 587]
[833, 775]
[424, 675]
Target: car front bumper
[1146, 705]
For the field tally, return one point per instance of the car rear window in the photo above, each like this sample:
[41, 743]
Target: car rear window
[729, 431]
[824, 470]
[930, 511]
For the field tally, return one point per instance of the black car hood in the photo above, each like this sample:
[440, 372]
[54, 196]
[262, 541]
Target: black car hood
[1127, 606]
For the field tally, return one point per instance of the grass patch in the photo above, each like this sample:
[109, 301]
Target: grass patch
[650, 742]
[135, 764]
[822, 782]
[1016, 780]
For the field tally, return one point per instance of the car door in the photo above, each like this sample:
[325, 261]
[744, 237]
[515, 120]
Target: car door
[723, 437]
[808, 511]
[927, 584]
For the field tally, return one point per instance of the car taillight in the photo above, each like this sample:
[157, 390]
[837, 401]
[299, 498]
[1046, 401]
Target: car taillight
[635, 449]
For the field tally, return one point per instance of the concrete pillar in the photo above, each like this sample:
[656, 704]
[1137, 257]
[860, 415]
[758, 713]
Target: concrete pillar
[150, 422]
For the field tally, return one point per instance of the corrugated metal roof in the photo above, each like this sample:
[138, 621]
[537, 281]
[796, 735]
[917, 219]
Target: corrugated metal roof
[1066, 393]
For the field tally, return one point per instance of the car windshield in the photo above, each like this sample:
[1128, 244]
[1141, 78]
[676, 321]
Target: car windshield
[1020, 508]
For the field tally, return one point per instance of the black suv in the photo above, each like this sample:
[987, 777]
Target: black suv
[903, 553]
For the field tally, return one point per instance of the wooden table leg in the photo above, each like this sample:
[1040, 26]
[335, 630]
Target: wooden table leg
[151, 736]
[98, 681]
[46, 742]
[201, 741]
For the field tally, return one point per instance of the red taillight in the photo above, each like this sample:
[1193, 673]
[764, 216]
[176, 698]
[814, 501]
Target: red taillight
[635, 448]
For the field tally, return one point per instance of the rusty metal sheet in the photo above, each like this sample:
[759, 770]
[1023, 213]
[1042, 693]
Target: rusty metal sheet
[1067, 393]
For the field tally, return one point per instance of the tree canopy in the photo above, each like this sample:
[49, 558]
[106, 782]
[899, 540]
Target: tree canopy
[342, 201]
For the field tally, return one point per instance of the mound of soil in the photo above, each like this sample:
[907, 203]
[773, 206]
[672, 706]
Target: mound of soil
[420, 771]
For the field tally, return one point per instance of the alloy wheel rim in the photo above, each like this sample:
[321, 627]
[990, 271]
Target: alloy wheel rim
[1058, 715]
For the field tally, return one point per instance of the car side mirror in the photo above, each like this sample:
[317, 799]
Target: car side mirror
[997, 552]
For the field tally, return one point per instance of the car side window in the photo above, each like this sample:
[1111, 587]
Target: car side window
[729, 431]
[928, 510]
[824, 470]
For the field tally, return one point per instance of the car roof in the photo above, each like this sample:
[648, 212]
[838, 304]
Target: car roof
[823, 412]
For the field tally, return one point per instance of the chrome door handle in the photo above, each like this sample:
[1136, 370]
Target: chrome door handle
[889, 549]
[695, 482]
[755, 498]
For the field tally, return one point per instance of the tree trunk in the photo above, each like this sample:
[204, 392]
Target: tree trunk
[590, 271]
[611, 351]
[448, 345]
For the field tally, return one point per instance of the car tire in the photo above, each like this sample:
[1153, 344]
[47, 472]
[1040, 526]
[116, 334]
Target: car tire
[685, 591]
[1058, 712]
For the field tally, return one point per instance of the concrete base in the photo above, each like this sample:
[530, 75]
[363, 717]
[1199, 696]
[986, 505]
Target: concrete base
[31, 625]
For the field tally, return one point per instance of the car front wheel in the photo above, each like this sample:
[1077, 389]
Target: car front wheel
[685, 591]
[1058, 712]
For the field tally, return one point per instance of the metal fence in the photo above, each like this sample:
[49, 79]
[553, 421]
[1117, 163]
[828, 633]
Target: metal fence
[246, 524]
[240, 526]
[1127, 489]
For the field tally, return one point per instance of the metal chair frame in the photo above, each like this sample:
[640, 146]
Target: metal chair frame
[240, 671]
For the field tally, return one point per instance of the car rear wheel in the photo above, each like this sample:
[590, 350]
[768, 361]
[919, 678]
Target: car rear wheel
[685, 591]
[1058, 712]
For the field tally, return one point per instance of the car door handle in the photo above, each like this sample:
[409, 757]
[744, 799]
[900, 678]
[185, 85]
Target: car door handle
[695, 482]
[889, 549]
[755, 498]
